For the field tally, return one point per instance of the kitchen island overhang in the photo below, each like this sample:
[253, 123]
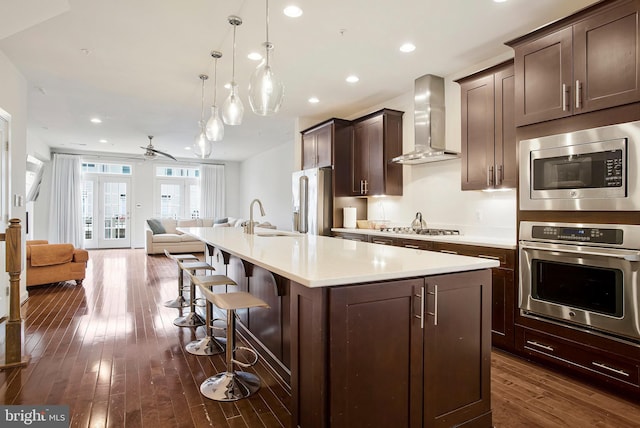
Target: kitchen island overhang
[347, 315]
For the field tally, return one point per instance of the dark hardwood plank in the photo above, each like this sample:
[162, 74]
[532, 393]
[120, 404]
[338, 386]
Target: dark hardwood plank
[110, 351]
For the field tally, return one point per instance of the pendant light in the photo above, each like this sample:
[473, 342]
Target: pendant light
[232, 109]
[265, 89]
[202, 146]
[215, 127]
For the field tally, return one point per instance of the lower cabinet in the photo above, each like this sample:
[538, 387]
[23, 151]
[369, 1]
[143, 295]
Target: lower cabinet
[406, 353]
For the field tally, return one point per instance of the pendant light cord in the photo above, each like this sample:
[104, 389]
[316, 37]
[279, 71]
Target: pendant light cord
[233, 62]
[267, 44]
[202, 109]
[215, 80]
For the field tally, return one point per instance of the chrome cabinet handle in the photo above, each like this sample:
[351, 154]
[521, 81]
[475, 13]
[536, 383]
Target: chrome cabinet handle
[499, 175]
[485, 256]
[434, 314]
[421, 316]
[540, 345]
[578, 94]
[565, 101]
[366, 187]
[489, 176]
[415, 247]
[611, 369]
[448, 252]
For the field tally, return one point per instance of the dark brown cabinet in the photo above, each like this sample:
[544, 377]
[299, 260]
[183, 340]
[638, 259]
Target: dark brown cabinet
[411, 381]
[377, 139]
[319, 142]
[585, 62]
[503, 292]
[488, 129]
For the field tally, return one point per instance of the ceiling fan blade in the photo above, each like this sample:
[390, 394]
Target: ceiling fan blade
[161, 153]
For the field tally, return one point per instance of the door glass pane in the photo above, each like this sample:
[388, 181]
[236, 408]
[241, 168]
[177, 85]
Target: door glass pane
[194, 200]
[170, 199]
[87, 208]
[115, 210]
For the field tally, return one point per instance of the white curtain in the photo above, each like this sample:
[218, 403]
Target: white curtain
[65, 214]
[212, 191]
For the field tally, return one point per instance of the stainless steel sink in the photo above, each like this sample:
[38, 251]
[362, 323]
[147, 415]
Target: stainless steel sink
[272, 234]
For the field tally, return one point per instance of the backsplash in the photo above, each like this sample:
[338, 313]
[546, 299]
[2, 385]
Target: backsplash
[434, 190]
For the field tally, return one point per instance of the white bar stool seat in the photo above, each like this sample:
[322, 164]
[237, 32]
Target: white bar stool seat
[208, 345]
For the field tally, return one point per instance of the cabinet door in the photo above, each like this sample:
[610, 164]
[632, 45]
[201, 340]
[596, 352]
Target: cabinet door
[323, 146]
[607, 59]
[309, 150]
[478, 133]
[376, 355]
[544, 70]
[502, 308]
[457, 349]
[368, 155]
[506, 154]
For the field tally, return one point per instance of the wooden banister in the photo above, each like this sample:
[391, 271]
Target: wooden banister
[13, 345]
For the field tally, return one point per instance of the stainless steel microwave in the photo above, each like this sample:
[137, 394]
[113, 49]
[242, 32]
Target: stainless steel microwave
[592, 170]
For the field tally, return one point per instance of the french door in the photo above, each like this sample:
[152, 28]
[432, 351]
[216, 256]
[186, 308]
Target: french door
[106, 212]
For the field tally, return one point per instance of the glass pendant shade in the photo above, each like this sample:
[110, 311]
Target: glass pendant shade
[232, 109]
[265, 90]
[202, 146]
[215, 127]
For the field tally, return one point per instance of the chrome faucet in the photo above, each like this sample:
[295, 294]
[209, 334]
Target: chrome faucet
[250, 226]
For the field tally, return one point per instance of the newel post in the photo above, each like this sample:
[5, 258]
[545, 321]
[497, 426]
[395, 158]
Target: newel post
[13, 349]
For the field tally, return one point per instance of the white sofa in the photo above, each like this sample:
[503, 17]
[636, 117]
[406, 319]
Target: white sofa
[173, 240]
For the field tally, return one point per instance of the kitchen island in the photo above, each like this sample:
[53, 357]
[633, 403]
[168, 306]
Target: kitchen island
[371, 335]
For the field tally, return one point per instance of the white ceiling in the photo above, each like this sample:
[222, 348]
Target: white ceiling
[135, 63]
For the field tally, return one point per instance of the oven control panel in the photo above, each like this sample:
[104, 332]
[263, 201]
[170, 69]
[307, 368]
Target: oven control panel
[578, 234]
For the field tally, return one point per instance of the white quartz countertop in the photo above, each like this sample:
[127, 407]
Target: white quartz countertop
[321, 261]
[483, 241]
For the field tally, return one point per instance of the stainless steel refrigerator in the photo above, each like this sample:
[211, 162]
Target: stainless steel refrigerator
[312, 201]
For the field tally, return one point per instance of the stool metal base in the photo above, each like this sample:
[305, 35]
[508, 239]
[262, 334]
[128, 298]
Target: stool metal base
[177, 303]
[192, 319]
[230, 386]
[205, 346]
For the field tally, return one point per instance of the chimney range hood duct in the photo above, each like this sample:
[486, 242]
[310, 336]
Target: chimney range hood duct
[429, 123]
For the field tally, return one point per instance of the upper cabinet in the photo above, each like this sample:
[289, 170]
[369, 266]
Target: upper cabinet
[588, 61]
[377, 140]
[318, 142]
[488, 129]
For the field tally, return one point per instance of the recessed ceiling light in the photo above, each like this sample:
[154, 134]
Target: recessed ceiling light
[314, 100]
[499, 1]
[96, 120]
[353, 78]
[254, 56]
[227, 85]
[407, 47]
[103, 141]
[292, 11]
[188, 148]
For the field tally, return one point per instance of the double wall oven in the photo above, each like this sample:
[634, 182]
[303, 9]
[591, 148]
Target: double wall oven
[582, 275]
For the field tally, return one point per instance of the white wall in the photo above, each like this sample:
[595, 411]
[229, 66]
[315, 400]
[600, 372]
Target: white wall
[13, 100]
[267, 176]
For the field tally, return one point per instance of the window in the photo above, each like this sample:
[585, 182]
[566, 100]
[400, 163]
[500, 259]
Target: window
[34, 178]
[178, 192]
[106, 168]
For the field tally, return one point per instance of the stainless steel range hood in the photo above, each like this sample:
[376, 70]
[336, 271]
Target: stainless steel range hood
[429, 123]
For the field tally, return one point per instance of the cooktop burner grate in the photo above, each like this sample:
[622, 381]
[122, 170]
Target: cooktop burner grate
[410, 231]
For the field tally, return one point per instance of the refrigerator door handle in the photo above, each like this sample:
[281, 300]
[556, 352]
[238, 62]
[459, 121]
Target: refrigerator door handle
[304, 204]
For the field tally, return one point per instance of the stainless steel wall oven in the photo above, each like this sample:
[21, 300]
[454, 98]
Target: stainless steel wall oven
[593, 169]
[582, 275]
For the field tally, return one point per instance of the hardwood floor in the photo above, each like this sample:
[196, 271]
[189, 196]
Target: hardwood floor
[110, 351]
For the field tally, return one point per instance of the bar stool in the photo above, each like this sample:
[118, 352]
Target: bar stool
[192, 319]
[232, 385]
[180, 301]
[208, 345]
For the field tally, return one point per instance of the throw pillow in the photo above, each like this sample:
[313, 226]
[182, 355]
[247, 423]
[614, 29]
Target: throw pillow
[221, 220]
[156, 226]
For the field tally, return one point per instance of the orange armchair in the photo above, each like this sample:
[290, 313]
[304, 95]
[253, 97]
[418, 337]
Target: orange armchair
[50, 263]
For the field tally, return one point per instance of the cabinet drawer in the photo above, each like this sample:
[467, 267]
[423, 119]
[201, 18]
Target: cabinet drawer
[382, 240]
[604, 365]
[415, 244]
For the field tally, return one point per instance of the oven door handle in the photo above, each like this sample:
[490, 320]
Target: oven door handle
[629, 255]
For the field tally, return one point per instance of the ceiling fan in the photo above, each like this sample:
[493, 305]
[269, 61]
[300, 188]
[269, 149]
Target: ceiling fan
[152, 153]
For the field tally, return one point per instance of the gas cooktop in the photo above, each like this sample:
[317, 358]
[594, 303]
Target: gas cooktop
[410, 231]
